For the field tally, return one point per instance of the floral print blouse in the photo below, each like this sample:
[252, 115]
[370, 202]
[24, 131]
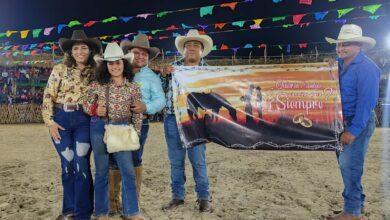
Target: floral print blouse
[121, 98]
[65, 85]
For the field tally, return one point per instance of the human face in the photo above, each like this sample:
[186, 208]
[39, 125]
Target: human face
[115, 68]
[348, 50]
[80, 52]
[141, 57]
[192, 51]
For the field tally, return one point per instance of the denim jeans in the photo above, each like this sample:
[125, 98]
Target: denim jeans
[137, 155]
[125, 163]
[177, 155]
[351, 163]
[74, 150]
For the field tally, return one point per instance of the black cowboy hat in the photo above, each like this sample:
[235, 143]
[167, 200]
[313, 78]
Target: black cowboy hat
[80, 36]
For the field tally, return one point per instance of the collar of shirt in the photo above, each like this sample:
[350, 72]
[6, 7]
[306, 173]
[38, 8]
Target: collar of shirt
[181, 62]
[125, 82]
[358, 59]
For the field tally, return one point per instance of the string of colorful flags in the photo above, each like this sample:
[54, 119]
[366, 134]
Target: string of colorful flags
[34, 49]
[207, 10]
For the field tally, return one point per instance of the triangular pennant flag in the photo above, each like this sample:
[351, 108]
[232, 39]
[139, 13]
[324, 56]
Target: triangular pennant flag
[54, 47]
[303, 45]
[201, 32]
[214, 47]
[167, 52]
[15, 47]
[162, 37]
[297, 18]
[40, 45]
[281, 18]
[224, 47]
[73, 23]
[280, 47]
[171, 28]
[235, 49]
[238, 23]
[208, 10]
[109, 20]
[34, 52]
[305, 2]
[185, 26]
[103, 37]
[25, 47]
[320, 15]
[372, 8]
[374, 17]
[277, 1]
[231, 5]
[287, 25]
[14, 54]
[341, 21]
[144, 16]
[23, 34]
[155, 31]
[60, 27]
[2, 35]
[116, 36]
[248, 46]
[47, 31]
[253, 26]
[331, 0]
[47, 48]
[219, 25]
[32, 46]
[9, 33]
[175, 34]
[125, 19]
[89, 23]
[202, 26]
[304, 24]
[143, 32]
[26, 53]
[161, 14]
[258, 21]
[344, 11]
[36, 32]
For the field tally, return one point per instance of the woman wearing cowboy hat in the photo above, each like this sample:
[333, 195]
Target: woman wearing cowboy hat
[69, 125]
[359, 88]
[111, 96]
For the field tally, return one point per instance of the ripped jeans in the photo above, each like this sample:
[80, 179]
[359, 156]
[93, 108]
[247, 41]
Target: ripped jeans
[74, 150]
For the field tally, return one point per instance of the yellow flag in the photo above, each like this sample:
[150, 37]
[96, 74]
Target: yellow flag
[23, 34]
[258, 21]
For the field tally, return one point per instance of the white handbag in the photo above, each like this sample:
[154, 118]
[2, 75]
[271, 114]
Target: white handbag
[122, 137]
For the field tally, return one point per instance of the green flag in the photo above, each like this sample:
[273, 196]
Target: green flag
[372, 8]
[239, 23]
[282, 18]
[36, 32]
[344, 11]
[208, 10]
[73, 23]
[161, 14]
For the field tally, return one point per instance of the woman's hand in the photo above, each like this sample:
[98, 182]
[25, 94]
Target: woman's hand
[54, 133]
[101, 111]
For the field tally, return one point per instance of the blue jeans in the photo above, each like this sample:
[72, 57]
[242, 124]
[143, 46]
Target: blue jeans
[177, 155]
[137, 155]
[126, 168]
[351, 163]
[74, 150]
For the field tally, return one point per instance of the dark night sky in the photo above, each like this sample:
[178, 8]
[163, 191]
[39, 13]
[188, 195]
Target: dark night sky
[25, 14]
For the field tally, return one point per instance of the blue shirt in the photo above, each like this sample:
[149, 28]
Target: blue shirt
[151, 91]
[359, 87]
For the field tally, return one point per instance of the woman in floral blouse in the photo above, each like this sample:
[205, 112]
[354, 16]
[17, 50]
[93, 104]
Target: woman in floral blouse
[69, 125]
[114, 74]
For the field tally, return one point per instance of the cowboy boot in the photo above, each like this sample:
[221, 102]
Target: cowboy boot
[138, 181]
[344, 216]
[115, 191]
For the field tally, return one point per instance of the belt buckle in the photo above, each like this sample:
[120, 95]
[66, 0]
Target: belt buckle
[68, 108]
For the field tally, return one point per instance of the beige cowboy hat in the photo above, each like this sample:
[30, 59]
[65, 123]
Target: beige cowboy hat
[140, 41]
[113, 52]
[352, 33]
[193, 35]
[80, 36]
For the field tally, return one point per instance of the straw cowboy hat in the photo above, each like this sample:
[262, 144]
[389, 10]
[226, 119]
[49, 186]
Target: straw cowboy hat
[352, 33]
[113, 52]
[140, 41]
[193, 35]
[80, 36]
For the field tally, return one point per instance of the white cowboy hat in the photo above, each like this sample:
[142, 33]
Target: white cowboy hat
[352, 33]
[113, 52]
[193, 35]
[140, 41]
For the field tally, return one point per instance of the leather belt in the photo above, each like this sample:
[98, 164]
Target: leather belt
[69, 107]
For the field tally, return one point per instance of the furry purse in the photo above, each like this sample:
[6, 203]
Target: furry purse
[119, 137]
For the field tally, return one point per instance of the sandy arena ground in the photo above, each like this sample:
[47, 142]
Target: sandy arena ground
[244, 184]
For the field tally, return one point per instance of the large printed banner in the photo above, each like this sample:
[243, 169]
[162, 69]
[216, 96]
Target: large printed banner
[277, 107]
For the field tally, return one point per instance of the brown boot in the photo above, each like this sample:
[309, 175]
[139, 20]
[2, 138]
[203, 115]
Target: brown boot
[138, 181]
[344, 216]
[114, 180]
[174, 203]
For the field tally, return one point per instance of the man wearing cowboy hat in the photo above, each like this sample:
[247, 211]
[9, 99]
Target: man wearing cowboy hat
[359, 87]
[153, 100]
[193, 47]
